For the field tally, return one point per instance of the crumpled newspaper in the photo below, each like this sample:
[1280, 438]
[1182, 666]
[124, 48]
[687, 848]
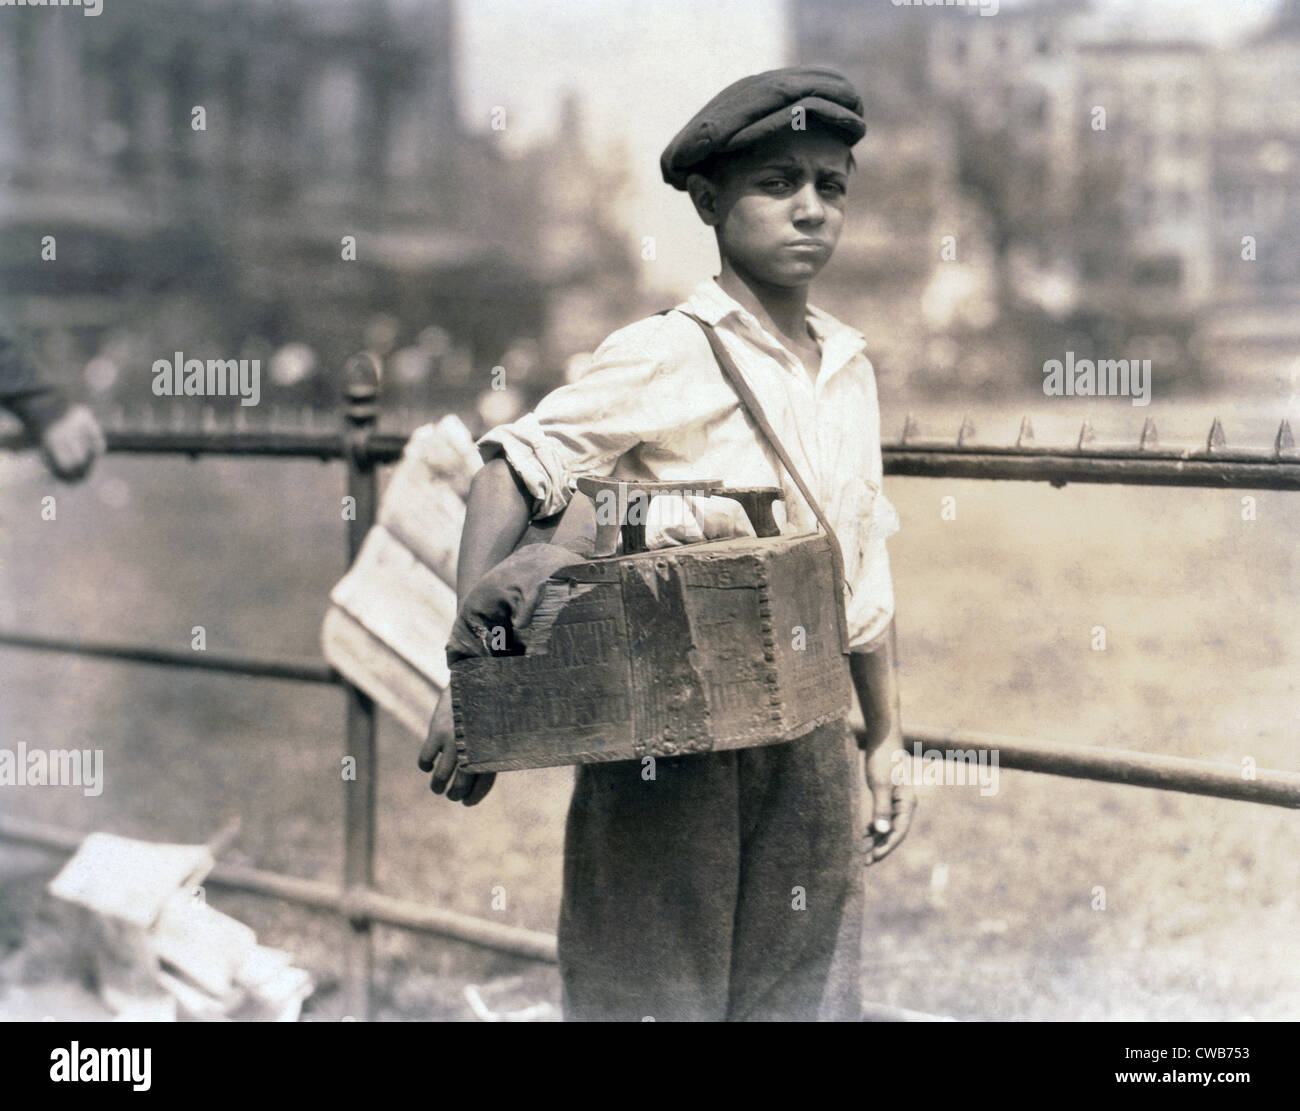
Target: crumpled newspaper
[675, 519]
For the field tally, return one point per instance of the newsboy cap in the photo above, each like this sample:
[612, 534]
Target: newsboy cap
[758, 106]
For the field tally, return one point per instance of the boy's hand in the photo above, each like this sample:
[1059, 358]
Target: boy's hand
[876, 681]
[71, 444]
[503, 599]
[892, 804]
[439, 757]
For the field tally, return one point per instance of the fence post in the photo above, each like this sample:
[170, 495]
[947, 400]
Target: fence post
[359, 416]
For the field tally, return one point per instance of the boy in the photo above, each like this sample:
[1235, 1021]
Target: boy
[727, 887]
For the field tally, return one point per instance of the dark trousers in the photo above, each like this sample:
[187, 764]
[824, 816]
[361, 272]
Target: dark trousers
[728, 887]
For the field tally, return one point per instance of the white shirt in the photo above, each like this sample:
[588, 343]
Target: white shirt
[655, 406]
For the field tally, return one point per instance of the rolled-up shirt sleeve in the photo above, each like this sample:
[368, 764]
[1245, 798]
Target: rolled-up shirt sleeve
[584, 427]
[538, 463]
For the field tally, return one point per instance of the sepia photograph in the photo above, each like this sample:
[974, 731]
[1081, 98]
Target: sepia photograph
[645, 511]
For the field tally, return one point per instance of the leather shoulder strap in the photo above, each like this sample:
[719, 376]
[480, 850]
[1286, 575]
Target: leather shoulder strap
[732, 374]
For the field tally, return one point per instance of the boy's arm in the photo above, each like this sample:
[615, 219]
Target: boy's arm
[875, 679]
[874, 670]
[498, 512]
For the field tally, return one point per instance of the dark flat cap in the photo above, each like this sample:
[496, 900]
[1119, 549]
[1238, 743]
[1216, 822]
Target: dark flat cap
[758, 106]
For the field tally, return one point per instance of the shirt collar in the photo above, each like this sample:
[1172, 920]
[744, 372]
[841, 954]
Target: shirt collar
[839, 343]
[712, 304]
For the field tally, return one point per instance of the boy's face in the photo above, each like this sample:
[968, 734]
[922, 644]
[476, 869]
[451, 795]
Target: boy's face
[778, 206]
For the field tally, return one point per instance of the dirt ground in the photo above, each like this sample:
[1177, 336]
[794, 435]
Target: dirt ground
[987, 911]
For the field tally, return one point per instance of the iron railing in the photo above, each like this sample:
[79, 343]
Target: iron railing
[1144, 463]
[362, 448]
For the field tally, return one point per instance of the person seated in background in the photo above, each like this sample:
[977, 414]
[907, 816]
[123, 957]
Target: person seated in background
[70, 438]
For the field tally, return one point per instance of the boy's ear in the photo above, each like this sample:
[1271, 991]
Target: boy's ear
[704, 195]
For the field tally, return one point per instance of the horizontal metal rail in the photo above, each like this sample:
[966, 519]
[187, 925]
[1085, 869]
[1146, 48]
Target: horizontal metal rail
[1119, 765]
[375, 448]
[359, 905]
[1139, 769]
[1145, 462]
[1171, 773]
[305, 671]
[1059, 469]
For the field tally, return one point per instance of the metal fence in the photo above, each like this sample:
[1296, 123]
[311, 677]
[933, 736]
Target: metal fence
[362, 449]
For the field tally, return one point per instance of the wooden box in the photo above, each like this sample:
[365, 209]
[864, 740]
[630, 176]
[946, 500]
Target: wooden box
[712, 646]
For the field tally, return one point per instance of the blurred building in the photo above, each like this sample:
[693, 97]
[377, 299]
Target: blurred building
[1013, 74]
[244, 175]
[903, 192]
[1158, 99]
[1254, 327]
[963, 195]
[1100, 187]
[583, 257]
